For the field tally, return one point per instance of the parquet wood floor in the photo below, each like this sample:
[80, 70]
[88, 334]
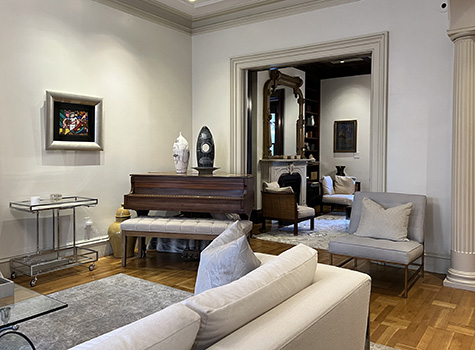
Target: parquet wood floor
[432, 317]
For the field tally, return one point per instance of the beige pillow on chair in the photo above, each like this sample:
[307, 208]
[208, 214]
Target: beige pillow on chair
[377, 222]
[344, 185]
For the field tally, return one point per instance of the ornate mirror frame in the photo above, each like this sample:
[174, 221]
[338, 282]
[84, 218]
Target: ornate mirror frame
[277, 78]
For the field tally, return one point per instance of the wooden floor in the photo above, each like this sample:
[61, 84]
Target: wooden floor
[432, 317]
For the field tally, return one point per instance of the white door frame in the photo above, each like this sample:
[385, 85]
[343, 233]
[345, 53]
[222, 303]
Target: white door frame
[375, 44]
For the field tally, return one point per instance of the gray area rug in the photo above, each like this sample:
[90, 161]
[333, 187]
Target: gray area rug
[98, 307]
[327, 226]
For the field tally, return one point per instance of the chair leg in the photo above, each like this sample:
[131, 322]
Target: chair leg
[422, 265]
[296, 228]
[263, 225]
[331, 259]
[312, 223]
[406, 268]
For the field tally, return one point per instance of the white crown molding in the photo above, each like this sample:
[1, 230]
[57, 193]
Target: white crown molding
[263, 13]
[152, 13]
[189, 20]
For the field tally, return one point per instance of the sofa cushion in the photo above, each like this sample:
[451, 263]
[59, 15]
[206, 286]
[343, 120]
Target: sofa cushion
[304, 212]
[226, 308]
[344, 185]
[343, 199]
[327, 185]
[227, 258]
[174, 327]
[377, 249]
[378, 222]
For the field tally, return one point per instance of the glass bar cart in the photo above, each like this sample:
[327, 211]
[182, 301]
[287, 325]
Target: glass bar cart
[58, 257]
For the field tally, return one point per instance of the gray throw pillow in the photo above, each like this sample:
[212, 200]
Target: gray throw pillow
[227, 258]
[378, 222]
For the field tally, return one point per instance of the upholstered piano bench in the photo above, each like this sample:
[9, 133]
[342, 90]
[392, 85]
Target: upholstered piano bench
[172, 227]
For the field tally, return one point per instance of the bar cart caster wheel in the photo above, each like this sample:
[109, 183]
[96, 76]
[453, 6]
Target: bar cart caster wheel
[91, 267]
[13, 275]
[33, 282]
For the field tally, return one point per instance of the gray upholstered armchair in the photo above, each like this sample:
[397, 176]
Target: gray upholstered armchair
[377, 220]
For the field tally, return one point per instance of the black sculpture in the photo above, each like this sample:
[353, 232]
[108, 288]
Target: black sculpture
[205, 152]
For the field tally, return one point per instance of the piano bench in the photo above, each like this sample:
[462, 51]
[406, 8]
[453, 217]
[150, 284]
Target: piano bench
[174, 227]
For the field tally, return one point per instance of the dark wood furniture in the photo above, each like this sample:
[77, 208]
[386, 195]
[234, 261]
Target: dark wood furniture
[312, 125]
[283, 207]
[219, 193]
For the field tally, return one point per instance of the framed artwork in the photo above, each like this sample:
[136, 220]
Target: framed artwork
[344, 136]
[73, 122]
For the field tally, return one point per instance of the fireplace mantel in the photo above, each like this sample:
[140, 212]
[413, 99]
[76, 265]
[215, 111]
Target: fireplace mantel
[272, 169]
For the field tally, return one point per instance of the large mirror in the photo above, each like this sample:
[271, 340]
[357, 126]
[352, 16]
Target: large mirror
[271, 127]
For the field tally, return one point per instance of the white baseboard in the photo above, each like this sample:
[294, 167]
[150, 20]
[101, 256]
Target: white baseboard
[102, 246]
[436, 263]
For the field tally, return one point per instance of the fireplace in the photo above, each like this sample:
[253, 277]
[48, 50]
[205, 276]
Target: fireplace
[293, 180]
[288, 170]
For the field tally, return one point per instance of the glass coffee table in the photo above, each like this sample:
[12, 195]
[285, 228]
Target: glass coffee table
[24, 305]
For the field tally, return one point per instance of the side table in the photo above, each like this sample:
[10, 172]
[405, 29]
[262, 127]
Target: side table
[44, 261]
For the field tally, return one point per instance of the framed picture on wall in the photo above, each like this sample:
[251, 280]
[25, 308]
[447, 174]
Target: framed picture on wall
[74, 122]
[344, 136]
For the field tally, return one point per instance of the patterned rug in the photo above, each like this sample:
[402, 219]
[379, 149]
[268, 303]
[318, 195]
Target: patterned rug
[100, 306]
[327, 226]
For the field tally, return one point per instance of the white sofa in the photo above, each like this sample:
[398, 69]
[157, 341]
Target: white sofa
[304, 307]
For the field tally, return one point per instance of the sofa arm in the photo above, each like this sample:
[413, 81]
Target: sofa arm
[312, 319]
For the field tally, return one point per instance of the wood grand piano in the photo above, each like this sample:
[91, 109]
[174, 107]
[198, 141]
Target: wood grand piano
[217, 193]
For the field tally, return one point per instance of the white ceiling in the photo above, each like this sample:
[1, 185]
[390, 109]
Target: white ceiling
[206, 15]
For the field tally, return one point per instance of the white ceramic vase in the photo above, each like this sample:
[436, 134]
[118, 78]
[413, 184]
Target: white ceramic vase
[181, 154]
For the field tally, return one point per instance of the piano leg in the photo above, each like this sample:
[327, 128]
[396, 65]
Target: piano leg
[142, 247]
[124, 249]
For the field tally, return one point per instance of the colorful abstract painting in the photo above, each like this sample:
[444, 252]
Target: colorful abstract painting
[73, 122]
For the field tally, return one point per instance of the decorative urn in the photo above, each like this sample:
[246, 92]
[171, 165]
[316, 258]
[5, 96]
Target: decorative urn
[115, 234]
[181, 154]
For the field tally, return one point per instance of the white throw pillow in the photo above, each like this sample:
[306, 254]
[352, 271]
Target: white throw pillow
[390, 223]
[286, 189]
[229, 307]
[227, 258]
[344, 185]
[270, 185]
[327, 185]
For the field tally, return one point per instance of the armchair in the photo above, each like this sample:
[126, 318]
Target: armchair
[281, 204]
[339, 192]
[374, 218]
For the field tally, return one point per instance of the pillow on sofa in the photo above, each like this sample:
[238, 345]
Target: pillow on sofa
[377, 222]
[344, 185]
[227, 258]
[229, 307]
[327, 185]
